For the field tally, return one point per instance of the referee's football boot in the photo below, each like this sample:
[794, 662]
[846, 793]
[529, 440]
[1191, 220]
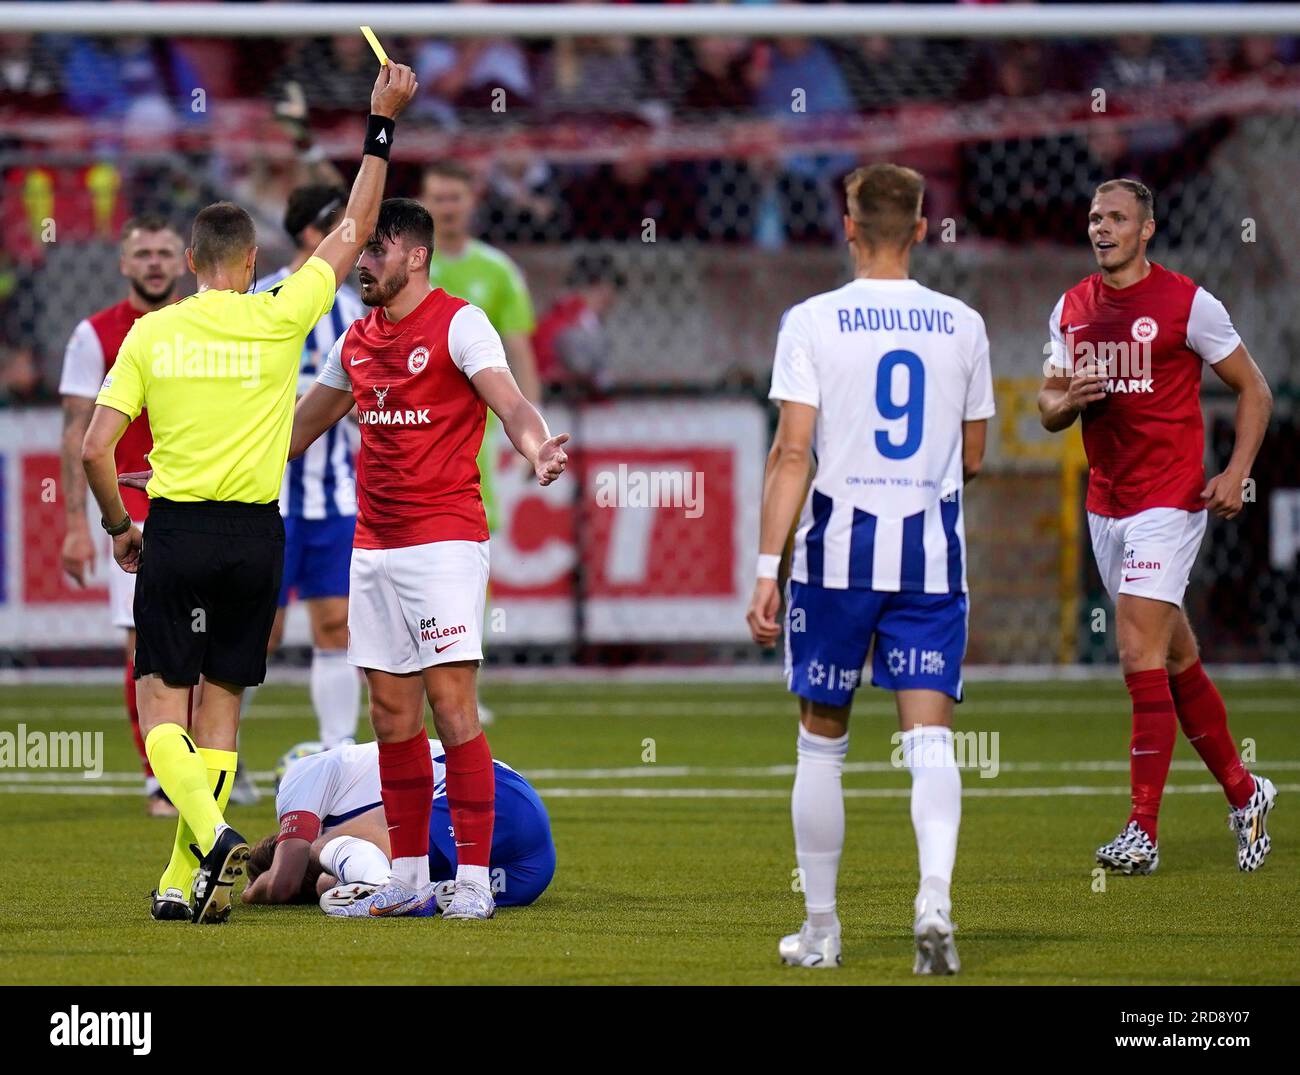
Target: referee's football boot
[1253, 841]
[936, 950]
[813, 948]
[1131, 852]
[470, 900]
[214, 883]
[169, 906]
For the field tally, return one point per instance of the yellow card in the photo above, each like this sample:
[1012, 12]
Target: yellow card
[374, 44]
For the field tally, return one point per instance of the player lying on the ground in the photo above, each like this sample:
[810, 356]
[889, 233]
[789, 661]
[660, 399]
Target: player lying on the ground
[333, 839]
[1128, 347]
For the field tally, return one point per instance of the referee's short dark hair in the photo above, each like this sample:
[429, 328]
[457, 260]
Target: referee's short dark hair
[318, 205]
[1145, 199]
[405, 219]
[223, 233]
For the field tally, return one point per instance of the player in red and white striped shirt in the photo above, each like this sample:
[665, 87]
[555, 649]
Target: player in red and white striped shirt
[151, 261]
[1128, 347]
[422, 369]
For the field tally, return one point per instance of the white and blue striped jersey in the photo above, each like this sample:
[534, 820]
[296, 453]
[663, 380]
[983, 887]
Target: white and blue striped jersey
[321, 483]
[894, 369]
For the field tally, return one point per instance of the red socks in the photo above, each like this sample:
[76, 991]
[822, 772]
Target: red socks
[1155, 727]
[1205, 723]
[406, 784]
[133, 711]
[471, 795]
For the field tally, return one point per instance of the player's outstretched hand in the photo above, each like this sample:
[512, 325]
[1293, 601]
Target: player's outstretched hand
[135, 479]
[1223, 495]
[126, 550]
[551, 459]
[764, 607]
[395, 85]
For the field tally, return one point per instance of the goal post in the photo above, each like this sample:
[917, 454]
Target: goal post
[648, 20]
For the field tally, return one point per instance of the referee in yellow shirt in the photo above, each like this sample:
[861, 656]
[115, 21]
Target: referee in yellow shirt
[217, 372]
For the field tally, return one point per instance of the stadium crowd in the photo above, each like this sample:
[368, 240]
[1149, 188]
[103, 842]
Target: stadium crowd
[713, 138]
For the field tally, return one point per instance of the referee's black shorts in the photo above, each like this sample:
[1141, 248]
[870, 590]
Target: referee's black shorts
[206, 592]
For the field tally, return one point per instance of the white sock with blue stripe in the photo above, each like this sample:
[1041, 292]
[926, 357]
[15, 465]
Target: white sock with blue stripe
[817, 807]
[352, 859]
[936, 803]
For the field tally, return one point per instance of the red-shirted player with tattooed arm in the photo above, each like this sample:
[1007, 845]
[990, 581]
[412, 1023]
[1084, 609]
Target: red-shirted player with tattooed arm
[1128, 344]
[422, 368]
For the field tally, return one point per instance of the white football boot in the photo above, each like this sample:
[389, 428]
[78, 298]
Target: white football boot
[1131, 852]
[443, 892]
[819, 948]
[342, 895]
[469, 899]
[936, 950]
[1253, 841]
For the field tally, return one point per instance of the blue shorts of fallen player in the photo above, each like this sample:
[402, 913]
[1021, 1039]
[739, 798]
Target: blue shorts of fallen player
[522, 861]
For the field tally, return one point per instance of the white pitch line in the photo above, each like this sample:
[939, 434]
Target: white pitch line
[62, 776]
[872, 793]
[654, 709]
[74, 712]
[1066, 791]
[640, 772]
[662, 771]
[88, 788]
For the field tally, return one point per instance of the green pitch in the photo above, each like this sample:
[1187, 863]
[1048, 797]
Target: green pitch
[670, 806]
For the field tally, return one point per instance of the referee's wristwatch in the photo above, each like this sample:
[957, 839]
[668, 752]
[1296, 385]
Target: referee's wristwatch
[116, 529]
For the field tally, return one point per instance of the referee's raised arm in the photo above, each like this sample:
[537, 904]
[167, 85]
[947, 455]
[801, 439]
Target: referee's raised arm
[217, 373]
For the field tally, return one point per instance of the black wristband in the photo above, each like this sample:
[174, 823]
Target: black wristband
[117, 528]
[379, 136]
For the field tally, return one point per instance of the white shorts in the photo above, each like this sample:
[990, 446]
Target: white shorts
[121, 591]
[418, 606]
[1149, 554]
